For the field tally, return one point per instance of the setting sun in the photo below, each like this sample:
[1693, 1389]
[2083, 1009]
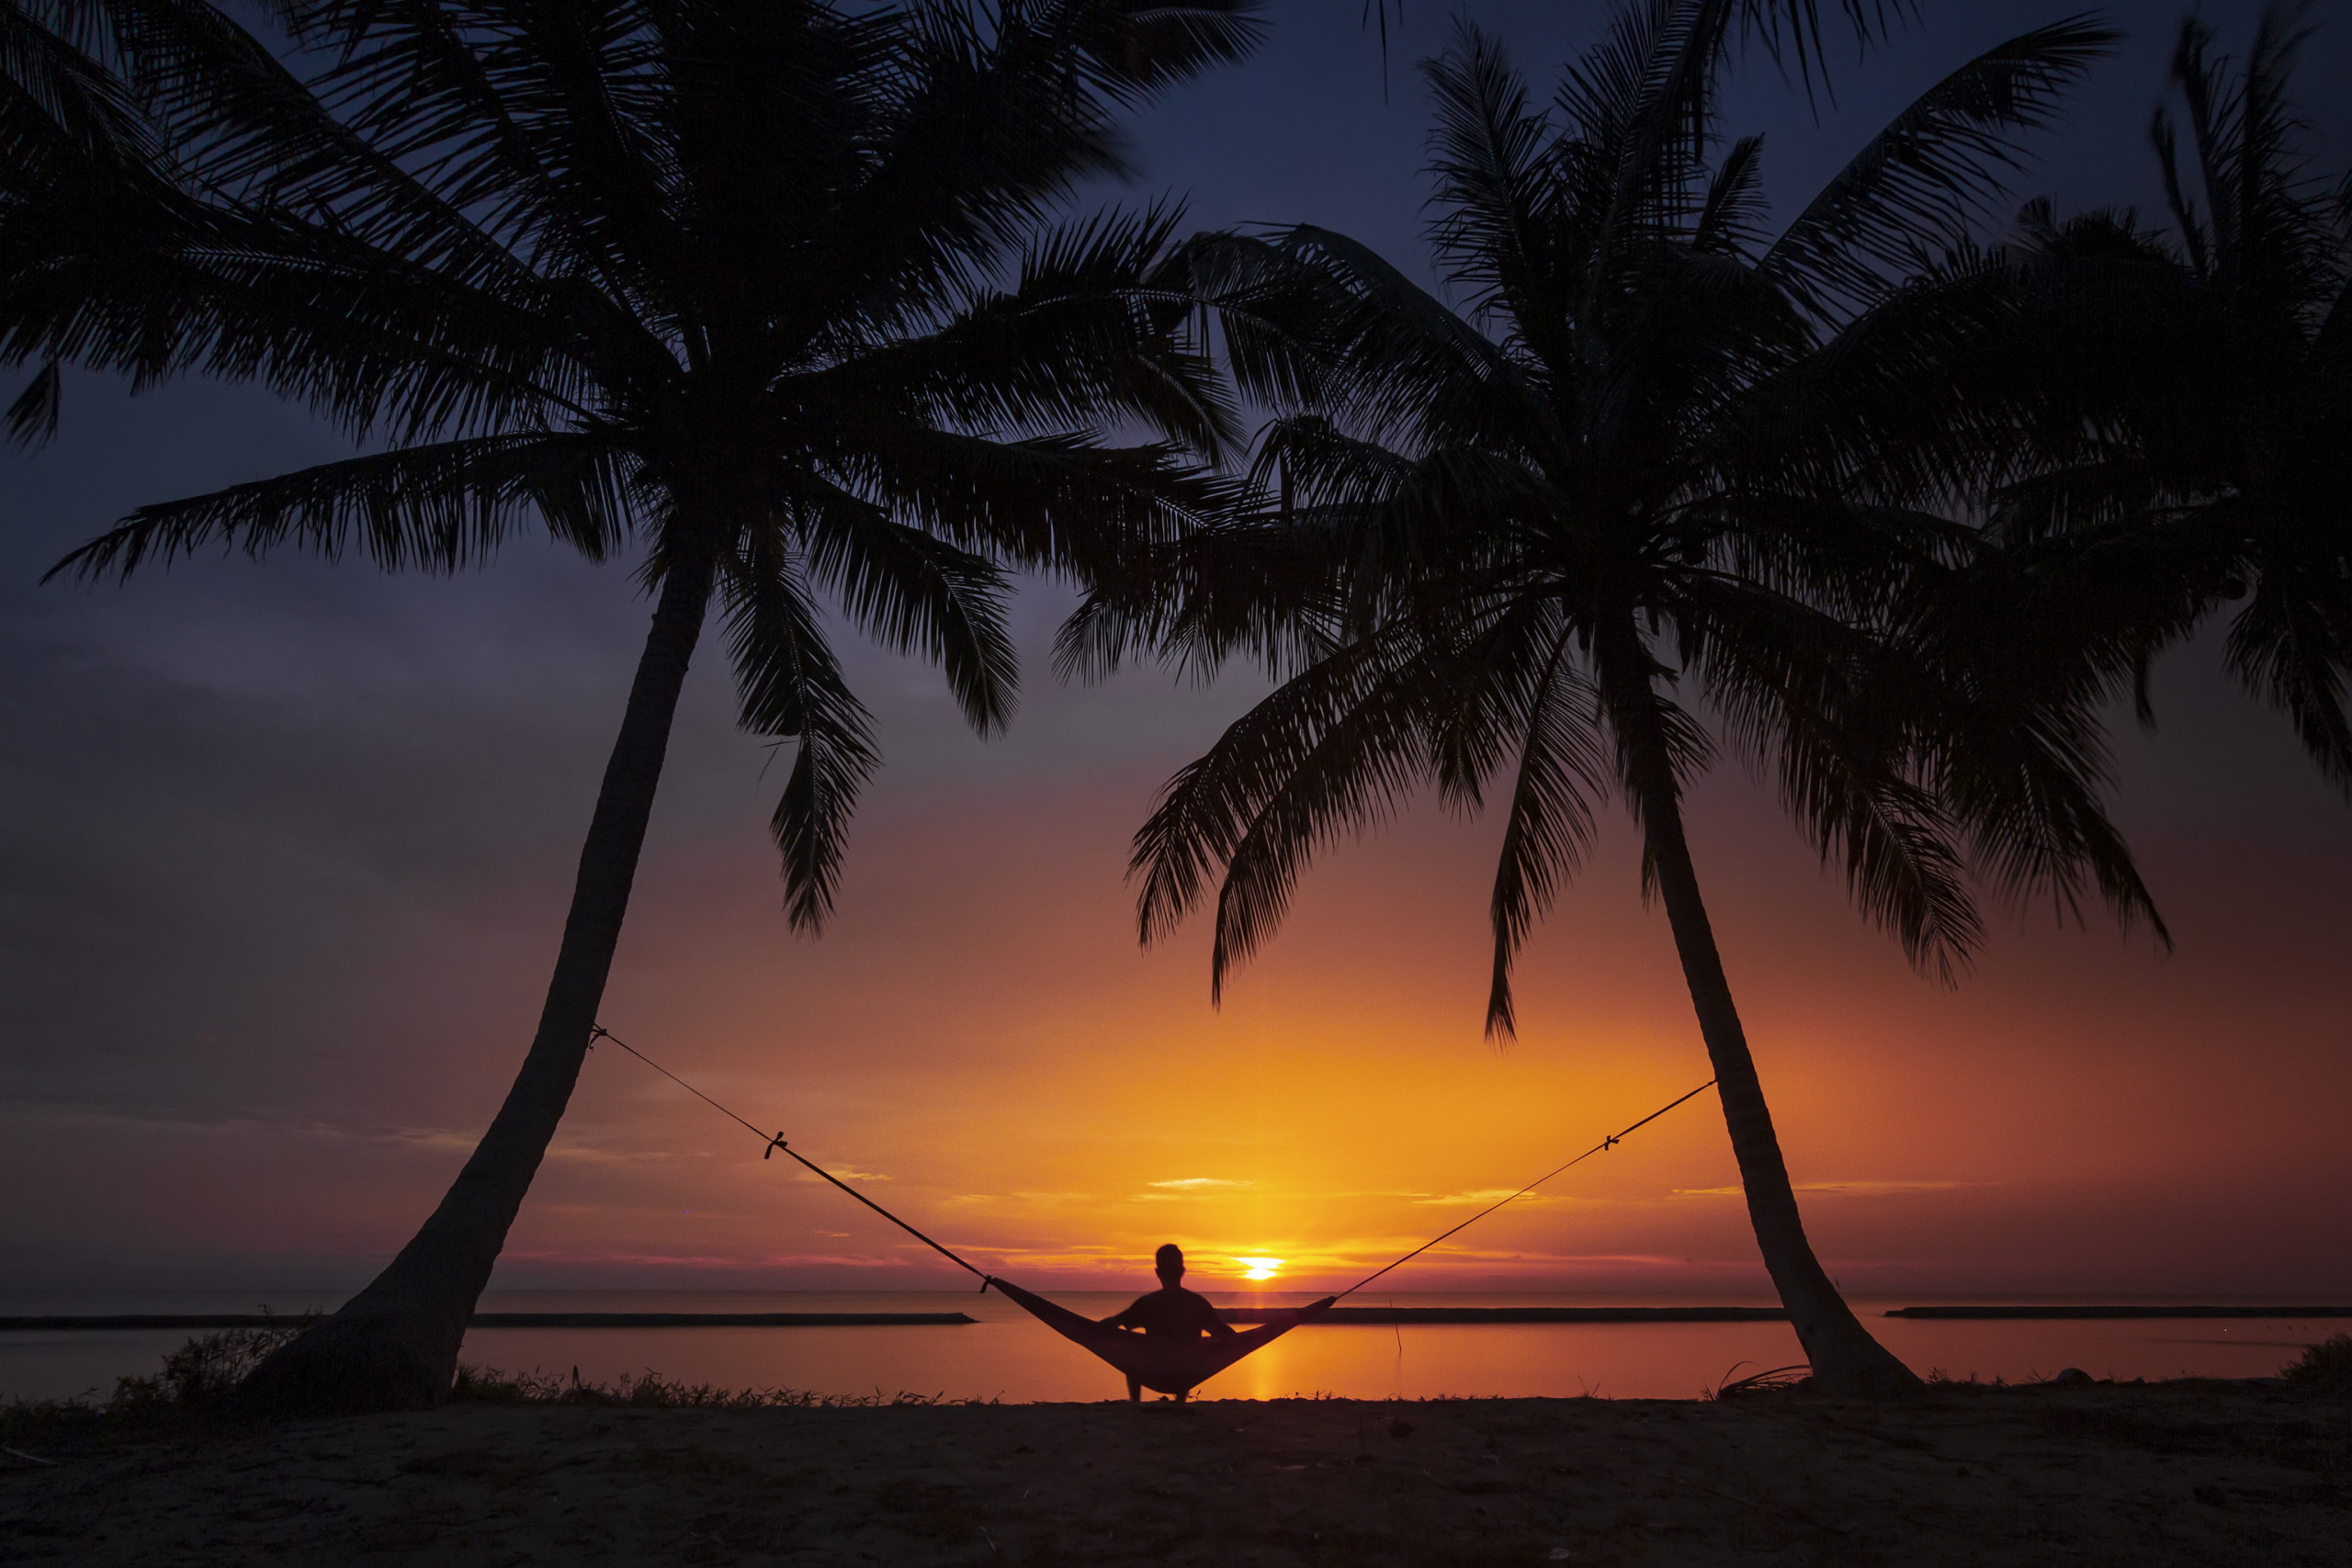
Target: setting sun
[1259, 1268]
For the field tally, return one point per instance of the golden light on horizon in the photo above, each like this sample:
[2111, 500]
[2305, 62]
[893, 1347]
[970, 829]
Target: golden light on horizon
[1259, 1268]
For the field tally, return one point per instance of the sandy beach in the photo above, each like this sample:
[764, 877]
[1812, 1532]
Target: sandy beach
[2177, 1473]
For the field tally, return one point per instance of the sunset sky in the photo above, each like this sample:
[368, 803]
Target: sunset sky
[284, 848]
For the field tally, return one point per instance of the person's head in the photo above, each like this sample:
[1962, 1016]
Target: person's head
[1168, 1261]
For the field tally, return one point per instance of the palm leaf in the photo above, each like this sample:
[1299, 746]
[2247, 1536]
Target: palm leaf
[1548, 829]
[2292, 646]
[1488, 162]
[437, 508]
[790, 686]
[1339, 741]
[914, 594]
[33, 414]
[1919, 185]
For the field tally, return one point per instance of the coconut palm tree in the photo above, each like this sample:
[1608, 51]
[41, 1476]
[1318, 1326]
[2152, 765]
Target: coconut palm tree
[1655, 495]
[2193, 445]
[768, 298]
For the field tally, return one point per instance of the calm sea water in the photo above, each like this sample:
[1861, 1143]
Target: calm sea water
[1009, 1356]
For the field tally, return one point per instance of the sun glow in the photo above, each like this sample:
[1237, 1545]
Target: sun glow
[1259, 1268]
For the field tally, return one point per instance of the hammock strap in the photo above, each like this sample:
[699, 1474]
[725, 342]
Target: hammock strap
[601, 1032]
[1608, 1142]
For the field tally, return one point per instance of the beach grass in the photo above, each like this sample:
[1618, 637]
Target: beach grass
[192, 1386]
[2324, 1368]
[650, 1391]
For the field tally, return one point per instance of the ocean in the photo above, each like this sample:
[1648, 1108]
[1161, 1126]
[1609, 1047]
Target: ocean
[1008, 1356]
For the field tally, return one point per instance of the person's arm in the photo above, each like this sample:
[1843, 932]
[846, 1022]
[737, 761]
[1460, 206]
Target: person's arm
[1125, 1317]
[1217, 1328]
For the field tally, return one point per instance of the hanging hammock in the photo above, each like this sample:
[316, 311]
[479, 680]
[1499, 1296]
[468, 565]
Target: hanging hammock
[1165, 1363]
[1159, 1362]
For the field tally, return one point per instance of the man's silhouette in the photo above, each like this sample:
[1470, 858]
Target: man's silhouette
[1171, 1311]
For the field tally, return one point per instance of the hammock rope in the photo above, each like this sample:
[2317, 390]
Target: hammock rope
[778, 1142]
[1611, 1141]
[601, 1032]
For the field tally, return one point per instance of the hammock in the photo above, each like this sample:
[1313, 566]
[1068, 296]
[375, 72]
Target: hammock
[1165, 1363]
[1162, 1363]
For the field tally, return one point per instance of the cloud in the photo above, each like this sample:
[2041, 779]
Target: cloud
[1858, 1188]
[1477, 1195]
[429, 1140]
[1032, 1200]
[732, 1263]
[1185, 1187]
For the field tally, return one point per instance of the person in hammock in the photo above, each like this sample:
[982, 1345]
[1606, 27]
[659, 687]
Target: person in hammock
[1171, 1310]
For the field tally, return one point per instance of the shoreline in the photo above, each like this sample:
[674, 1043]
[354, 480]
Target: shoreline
[1357, 1315]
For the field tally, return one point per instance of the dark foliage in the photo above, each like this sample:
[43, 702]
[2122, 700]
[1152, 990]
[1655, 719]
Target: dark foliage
[1667, 488]
[2324, 1368]
[2188, 398]
[781, 285]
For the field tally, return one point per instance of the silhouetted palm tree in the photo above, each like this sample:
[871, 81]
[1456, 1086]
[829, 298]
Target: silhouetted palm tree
[1652, 497]
[2192, 446]
[767, 296]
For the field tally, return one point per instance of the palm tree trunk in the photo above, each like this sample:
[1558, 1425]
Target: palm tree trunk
[1845, 1361]
[394, 1346]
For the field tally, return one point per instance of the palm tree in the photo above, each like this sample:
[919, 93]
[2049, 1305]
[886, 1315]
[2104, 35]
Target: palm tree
[766, 296]
[1654, 497]
[2194, 449]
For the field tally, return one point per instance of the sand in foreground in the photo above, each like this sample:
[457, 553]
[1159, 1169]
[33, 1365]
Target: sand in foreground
[2170, 1474]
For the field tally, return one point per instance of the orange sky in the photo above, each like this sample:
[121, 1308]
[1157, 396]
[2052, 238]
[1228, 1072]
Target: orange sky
[979, 1036]
[981, 1032]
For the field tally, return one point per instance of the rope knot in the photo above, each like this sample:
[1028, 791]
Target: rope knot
[774, 1144]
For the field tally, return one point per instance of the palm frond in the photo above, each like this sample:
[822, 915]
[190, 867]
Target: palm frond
[914, 594]
[1061, 502]
[996, 123]
[1788, 30]
[1827, 708]
[1339, 745]
[1731, 219]
[33, 413]
[1549, 825]
[58, 99]
[2291, 647]
[1089, 332]
[790, 686]
[1399, 363]
[1920, 185]
[1246, 586]
[1487, 160]
[438, 508]
[2021, 656]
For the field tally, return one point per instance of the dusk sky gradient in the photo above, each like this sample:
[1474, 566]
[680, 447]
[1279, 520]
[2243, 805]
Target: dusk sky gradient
[285, 848]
